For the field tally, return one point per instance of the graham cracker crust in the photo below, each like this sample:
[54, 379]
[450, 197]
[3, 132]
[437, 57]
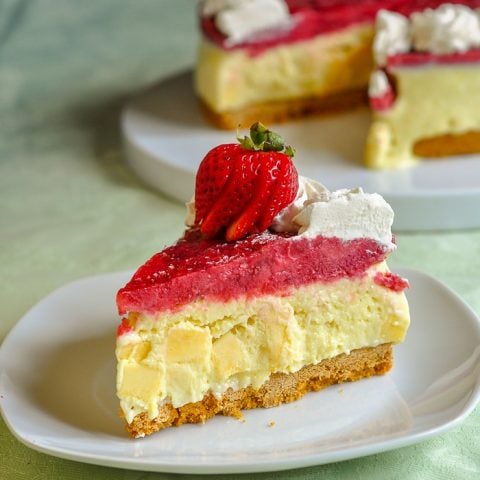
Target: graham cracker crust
[445, 145]
[286, 110]
[279, 388]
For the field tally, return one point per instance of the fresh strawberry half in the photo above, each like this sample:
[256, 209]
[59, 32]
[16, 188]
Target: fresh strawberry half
[240, 187]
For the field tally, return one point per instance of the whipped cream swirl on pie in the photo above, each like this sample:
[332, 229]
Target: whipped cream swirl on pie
[447, 29]
[242, 20]
[345, 214]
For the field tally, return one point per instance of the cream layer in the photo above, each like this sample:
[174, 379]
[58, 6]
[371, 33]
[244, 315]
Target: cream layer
[231, 79]
[210, 347]
[430, 101]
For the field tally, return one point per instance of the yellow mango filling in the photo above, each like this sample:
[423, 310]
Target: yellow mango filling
[326, 64]
[210, 347]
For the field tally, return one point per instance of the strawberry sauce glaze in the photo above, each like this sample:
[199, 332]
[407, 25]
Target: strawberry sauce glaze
[391, 281]
[414, 59]
[384, 102]
[315, 17]
[124, 327]
[266, 263]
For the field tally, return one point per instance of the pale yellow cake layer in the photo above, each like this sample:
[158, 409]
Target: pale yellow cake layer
[209, 347]
[230, 80]
[431, 101]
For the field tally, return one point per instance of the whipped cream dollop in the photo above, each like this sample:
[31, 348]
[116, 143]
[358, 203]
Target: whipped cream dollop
[242, 20]
[392, 36]
[447, 29]
[450, 28]
[309, 191]
[345, 214]
[378, 85]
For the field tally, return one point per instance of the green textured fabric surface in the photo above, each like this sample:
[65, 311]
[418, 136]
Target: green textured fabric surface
[69, 207]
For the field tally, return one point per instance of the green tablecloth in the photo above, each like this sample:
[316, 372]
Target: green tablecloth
[69, 207]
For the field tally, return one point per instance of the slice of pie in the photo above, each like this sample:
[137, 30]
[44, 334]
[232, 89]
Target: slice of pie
[277, 288]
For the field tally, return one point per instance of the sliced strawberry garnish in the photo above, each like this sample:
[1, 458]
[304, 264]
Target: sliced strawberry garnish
[241, 187]
[234, 197]
[212, 176]
[246, 222]
[286, 187]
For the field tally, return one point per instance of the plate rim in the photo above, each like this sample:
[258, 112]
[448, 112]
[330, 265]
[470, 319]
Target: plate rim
[298, 461]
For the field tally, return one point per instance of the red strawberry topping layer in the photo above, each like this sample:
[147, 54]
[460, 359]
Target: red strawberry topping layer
[382, 103]
[241, 187]
[124, 327]
[391, 281]
[198, 268]
[315, 17]
[414, 59]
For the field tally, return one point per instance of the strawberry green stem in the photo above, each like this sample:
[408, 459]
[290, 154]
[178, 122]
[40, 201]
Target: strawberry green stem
[264, 140]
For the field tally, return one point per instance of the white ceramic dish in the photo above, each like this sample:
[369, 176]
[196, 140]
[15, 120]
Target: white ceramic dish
[57, 392]
[166, 137]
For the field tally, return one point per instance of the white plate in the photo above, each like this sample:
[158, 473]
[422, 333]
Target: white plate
[166, 137]
[57, 392]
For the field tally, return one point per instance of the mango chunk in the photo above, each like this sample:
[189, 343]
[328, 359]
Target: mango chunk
[141, 350]
[228, 356]
[276, 333]
[135, 351]
[186, 383]
[276, 320]
[141, 381]
[124, 351]
[188, 344]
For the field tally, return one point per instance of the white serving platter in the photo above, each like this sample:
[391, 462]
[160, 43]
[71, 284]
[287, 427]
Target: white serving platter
[166, 137]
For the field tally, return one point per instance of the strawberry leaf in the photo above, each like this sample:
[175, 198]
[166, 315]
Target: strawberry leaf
[262, 139]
